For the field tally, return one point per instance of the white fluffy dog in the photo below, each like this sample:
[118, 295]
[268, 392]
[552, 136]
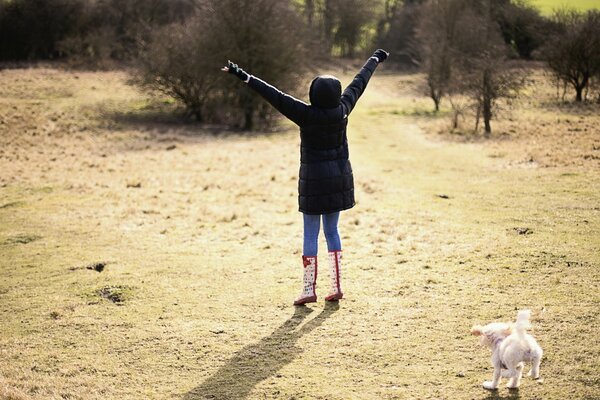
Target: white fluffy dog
[511, 345]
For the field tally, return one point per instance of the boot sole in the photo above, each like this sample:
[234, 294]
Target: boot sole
[335, 297]
[299, 302]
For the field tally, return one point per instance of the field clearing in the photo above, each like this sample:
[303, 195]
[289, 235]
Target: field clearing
[548, 6]
[198, 235]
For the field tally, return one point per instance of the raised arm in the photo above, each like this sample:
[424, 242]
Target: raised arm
[292, 108]
[353, 92]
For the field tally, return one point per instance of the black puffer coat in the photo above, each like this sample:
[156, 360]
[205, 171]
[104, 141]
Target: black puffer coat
[326, 183]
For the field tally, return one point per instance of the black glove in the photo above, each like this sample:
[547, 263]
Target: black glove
[381, 55]
[237, 71]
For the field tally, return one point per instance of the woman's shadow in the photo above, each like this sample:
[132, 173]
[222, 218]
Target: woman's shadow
[259, 361]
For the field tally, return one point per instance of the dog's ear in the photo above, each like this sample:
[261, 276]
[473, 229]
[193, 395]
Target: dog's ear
[477, 330]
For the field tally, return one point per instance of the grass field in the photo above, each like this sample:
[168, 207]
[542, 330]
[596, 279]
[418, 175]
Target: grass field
[198, 235]
[548, 6]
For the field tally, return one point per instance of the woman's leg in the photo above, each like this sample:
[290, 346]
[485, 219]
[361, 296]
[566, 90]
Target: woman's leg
[334, 245]
[330, 227]
[309, 259]
[312, 224]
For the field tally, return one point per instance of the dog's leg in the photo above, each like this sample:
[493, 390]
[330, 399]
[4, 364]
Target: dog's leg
[535, 367]
[493, 384]
[515, 380]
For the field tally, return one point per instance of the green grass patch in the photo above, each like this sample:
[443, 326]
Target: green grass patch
[117, 294]
[547, 7]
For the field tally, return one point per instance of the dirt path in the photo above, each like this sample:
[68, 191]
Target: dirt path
[201, 240]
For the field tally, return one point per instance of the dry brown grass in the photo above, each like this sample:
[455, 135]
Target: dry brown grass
[200, 238]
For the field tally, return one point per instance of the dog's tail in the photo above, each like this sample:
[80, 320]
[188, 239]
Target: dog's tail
[523, 322]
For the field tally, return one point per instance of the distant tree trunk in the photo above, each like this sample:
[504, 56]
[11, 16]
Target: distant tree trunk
[328, 16]
[487, 116]
[580, 87]
[455, 119]
[487, 101]
[248, 119]
[310, 11]
[579, 96]
[572, 52]
[435, 95]
[197, 113]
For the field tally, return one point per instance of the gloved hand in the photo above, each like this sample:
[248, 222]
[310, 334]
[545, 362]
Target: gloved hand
[381, 55]
[237, 71]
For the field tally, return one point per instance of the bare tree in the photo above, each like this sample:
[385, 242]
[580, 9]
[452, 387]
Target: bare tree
[482, 64]
[401, 34]
[573, 51]
[353, 17]
[309, 11]
[465, 54]
[343, 26]
[390, 8]
[263, 36]
[436, 35]
[178, 64]
[32, 29]
[522, 26]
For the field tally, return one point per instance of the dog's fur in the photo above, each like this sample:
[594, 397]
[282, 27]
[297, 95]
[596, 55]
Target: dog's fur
[511, 345]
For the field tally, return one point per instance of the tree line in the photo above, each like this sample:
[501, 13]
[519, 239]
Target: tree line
[468, 49]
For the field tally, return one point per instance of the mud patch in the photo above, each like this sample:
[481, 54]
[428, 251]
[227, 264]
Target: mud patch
[523, 231]
[97, 266]
[117, 294]
[134, 185]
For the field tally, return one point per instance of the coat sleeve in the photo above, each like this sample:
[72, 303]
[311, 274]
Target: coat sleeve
[353, 92]
[295, 110]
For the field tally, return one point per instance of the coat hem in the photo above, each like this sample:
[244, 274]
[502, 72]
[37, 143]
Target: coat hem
[326, 211]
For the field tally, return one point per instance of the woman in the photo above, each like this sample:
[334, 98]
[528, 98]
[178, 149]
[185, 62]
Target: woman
[326, 184]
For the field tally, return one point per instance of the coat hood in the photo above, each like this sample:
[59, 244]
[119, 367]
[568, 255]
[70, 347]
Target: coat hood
[325, 91]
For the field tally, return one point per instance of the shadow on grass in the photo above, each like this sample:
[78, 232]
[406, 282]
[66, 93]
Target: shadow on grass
[570, 107]
[512, 394]
[154, 116]
[259, 361]
[168, 117]
[417, 112]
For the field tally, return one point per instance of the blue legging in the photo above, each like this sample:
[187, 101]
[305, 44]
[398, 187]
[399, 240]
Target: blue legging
[312, 226]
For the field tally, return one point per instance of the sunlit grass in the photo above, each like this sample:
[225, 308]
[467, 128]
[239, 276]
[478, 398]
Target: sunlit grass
[202, 244]
[549, 6]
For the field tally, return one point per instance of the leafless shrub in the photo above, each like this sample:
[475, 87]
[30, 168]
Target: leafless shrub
[522, 26]
[265, 37]
[436, 35]
[402, 21]
[466, 55]
[460, 105]
[485, 73]
[86, 32]
[178, 63]
[572, 51]
[344, 27]
[31, 29]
